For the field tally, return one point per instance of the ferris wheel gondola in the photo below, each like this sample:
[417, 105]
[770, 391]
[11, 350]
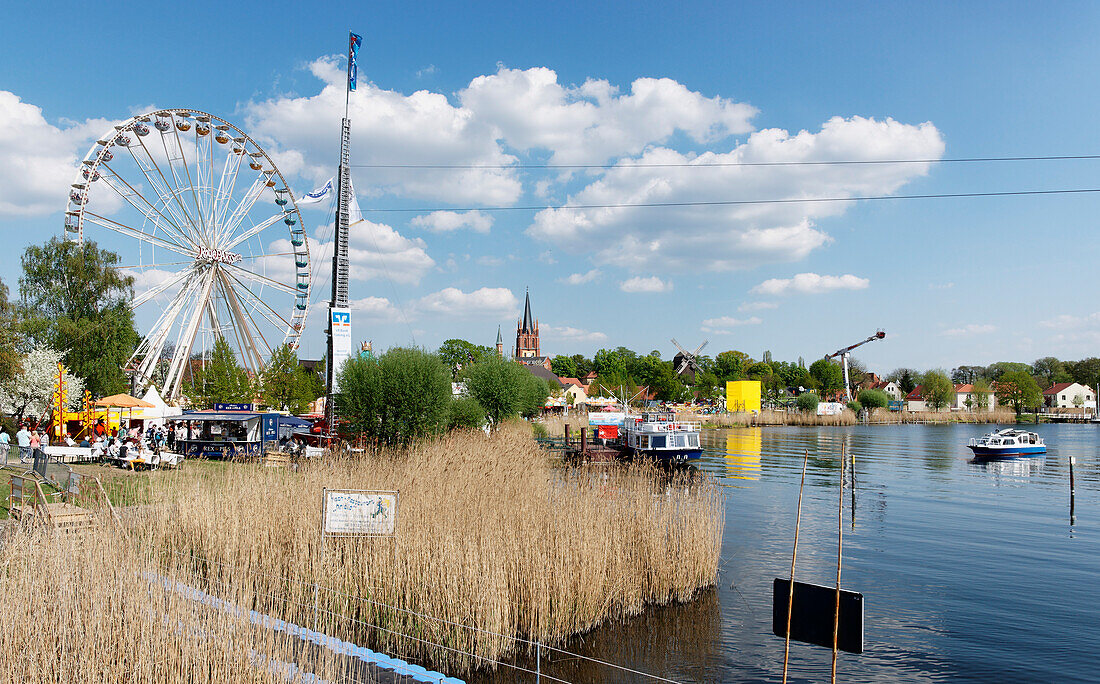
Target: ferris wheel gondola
[220, 252]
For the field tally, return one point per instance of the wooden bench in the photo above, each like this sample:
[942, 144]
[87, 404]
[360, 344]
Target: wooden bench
[276, 459]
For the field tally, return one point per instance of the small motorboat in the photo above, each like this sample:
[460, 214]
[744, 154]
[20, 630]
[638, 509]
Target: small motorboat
[1008, 442]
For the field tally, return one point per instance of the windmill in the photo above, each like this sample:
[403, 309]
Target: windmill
[685, 364]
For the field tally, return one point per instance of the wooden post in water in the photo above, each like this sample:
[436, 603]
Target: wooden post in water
[1072, 490]
[584, 440]
[839, 557]
[794, 556]
[567, 435]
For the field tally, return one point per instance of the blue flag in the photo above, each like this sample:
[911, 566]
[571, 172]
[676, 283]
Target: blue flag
[354, 42]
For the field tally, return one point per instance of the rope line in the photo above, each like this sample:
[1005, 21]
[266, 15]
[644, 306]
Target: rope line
[732, 203]
[445, 621]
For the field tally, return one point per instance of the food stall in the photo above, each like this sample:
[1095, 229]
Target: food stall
[233, 431]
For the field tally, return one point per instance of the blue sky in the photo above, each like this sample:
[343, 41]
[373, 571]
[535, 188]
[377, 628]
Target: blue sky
[952, 281]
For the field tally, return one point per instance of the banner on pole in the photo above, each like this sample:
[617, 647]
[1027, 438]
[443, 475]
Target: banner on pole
[354, 41]
[354, 512]
[321, 193]
[341, 336]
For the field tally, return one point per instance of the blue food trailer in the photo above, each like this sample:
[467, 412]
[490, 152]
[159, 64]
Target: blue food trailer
[233, 431]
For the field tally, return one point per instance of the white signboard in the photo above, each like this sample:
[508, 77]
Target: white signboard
[830, 408]
[350, 512]
[605, 417]
[340, 319]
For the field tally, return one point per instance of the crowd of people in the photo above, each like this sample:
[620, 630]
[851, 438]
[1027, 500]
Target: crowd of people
[118, 444]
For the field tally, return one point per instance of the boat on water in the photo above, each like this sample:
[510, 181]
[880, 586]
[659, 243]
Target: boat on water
[1008, 442]
[659, 435]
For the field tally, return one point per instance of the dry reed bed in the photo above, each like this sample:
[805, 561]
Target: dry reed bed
[848, 417]
[491, 535]
[85, 612]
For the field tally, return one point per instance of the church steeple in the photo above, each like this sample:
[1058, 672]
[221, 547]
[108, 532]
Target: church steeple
[527, 332]
[500, 344]
[528, 321]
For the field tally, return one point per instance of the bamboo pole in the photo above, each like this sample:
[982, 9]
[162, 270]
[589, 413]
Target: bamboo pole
[794, 556]
[839, 559]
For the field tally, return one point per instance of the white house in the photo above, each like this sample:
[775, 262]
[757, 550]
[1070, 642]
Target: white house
[891, 388]
[914, 401]
[982, 400]
[1069, 395]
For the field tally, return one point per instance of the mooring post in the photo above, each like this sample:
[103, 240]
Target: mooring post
[794, 556]
[839, 557]
[567, 435]
[1072, 490]
[538, 662]
[584, 440]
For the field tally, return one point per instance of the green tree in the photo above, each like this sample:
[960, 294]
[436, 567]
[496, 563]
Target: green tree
[501, 387]
[284, 384]
[937, 389]
[730, 365]
[403, 395]
[614, 362]
[74, 298]
[1048, 370]
[564, 366]
[1085, 371]
[707, 386]
[534, 393]
[660, 377]
[465, 413]
[583, 364]
[221, 380]
[872, 399]
[1016, 388]
[807, 402]
[10, 339]
[458, 354]
[995, 371]
[906, 379]
[829, 375]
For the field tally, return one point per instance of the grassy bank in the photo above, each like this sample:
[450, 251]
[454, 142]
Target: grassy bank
[848, 417]
[491, 535]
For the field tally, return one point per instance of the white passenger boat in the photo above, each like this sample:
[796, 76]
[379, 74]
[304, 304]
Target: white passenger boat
[1008, 442]
[659, 435]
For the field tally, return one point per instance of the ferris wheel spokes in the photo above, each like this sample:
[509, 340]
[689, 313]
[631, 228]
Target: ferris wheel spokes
[146, 208]
[128, 231]
[175, 370]
[254, 230]
[162, 187]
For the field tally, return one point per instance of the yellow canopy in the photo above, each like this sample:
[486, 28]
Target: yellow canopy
[123, 401]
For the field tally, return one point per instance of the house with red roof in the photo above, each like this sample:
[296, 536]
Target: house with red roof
[1069, 395]
[891, 388]
[914, 401]
[969, 398]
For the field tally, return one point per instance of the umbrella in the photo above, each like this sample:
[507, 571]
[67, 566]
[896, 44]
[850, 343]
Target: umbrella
[123, 401]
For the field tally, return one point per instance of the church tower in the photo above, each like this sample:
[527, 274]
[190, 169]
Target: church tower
[527, 333]
[500, 344]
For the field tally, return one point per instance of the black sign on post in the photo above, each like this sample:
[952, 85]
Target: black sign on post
[813, 612]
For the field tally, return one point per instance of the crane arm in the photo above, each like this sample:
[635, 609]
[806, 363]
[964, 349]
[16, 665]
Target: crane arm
[877, 336]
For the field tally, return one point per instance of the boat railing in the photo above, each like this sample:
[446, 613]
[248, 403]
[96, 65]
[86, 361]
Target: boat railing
[673, 426]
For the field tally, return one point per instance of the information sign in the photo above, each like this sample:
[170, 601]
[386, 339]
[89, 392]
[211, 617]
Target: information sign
[606, 418]
[351, 512]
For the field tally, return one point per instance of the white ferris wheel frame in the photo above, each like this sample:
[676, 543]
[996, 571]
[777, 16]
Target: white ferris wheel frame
[197, 220]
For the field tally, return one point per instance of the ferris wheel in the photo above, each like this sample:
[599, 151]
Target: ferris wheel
[205, 222]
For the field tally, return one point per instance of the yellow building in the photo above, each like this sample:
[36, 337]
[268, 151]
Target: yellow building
[743, 395]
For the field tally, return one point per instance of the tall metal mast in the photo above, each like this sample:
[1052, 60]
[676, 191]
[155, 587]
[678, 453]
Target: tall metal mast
[846, 352]
[339, 314]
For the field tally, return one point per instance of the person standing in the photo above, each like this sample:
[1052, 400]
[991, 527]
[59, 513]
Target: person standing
[5, 444]
[23, 439]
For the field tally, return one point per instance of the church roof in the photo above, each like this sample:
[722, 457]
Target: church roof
[528, 322]
[500, 340]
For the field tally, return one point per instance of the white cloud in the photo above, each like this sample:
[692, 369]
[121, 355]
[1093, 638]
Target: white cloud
[38, 160]
[810, 283]
[645, 284]
[447, 221]
[757, 306]
[374, 307]
[496, 302]
[941, 286]
[571, 334]
[970, 329]
[1066, 321]
[426, 71]
[594, 122]
[581, 278]
[723, 238]
[725, 324]
[390, 127]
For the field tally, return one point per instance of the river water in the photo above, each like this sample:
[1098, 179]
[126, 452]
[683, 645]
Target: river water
[970, 571]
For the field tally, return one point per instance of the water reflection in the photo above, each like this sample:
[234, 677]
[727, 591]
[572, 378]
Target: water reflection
[680, 642]
[1004, 470]
[742, 455]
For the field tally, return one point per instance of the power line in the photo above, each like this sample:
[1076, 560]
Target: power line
[703, 165]
[725, 203]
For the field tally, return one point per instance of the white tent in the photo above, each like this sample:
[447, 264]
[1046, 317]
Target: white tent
[161, 410]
